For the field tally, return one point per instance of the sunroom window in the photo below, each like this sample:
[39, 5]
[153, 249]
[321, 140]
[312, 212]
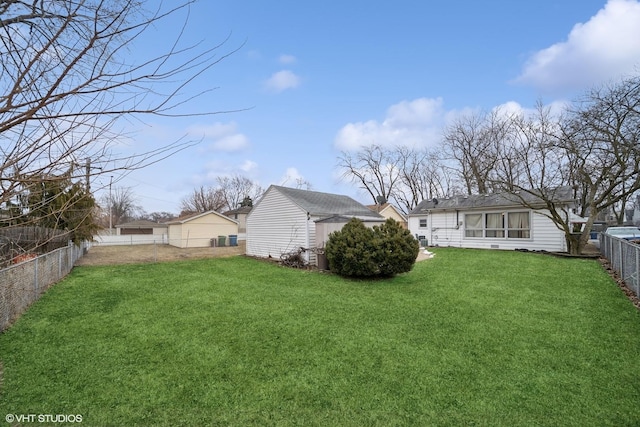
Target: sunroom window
[494, 225]
[518, 225]
[473, 225]
[512, 225]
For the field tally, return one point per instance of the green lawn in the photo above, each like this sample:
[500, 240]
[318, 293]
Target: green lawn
[468, 338]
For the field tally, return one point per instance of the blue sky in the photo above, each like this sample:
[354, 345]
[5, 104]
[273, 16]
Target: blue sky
[318, 78]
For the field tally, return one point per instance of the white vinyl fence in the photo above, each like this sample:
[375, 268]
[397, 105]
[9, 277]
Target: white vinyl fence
[131, 239]
[624, 257]
[163, 239]
[22, 284]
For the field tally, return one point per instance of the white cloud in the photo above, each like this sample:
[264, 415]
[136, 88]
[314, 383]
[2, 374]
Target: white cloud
[231, 143]
[414, 123]
[514, 108]
[291, 177]
[604, 48]
[286, 59]
[282, 80]
[223, 136]
[248, 166]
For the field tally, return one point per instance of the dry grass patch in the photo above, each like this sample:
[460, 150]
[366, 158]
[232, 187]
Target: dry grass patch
[141, 254]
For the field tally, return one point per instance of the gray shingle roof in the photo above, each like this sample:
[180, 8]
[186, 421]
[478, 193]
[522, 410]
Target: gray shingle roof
[558, 195]
[326, 204]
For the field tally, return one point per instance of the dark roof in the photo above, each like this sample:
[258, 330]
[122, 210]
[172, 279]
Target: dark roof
[187, 218]
[342, 219]
[522, 198]
[326, 204]
[141, 223]
[240, 210]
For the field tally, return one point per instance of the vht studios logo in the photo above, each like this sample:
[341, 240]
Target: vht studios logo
[43, 418]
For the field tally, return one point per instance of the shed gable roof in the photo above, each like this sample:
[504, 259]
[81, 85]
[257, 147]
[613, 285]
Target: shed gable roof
[188, 218]
[496, 200]
[325, 204]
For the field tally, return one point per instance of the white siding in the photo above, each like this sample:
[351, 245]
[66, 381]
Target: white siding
[414, 226]
[175, 235]
[441, 231]
[323, 229]
[444, 229]
[276, 226]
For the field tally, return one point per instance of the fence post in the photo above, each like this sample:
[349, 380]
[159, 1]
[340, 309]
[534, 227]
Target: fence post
[35, 276]
[60, 263]
[621, 257]
[637, 270]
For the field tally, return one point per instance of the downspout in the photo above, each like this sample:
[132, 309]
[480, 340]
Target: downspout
[307, 239]
[430, 225]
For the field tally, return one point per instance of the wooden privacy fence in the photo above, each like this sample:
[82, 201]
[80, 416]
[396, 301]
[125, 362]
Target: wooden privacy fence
[624, 258]
[23, 283]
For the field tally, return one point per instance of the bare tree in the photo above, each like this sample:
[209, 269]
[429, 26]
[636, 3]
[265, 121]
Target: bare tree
[594, 148]
[67, 82]
[474, 142]
[120, 206]
[602, 139]
[157, 216]
[236, 188]
[204, 199]
[230, 193]
[423, 176]
[375, 169]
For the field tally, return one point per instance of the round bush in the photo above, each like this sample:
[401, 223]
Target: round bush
[359, 251]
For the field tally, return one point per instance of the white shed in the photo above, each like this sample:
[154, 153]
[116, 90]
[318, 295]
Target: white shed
[201, 230]
[494, 221]
[284, 219]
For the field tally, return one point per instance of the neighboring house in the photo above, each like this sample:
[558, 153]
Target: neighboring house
[240, 215]
[635, 215]
[285, 219]
[139, 227]
[387, 210]
[494, 221]
[201, 230]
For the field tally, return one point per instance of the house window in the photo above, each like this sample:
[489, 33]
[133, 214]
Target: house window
[518, 225]
[473, 227]
[512, 225]
[423, 222]
[494, 225]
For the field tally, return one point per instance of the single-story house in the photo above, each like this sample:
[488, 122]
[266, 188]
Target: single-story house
[492, 221]
[285, 219]
[201, 230]
[143, 226]
[387, 210]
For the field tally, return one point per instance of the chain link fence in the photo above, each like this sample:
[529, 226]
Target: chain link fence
[23, 283]
[624, 258]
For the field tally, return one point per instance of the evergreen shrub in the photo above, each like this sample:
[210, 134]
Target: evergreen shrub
[359, 251]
